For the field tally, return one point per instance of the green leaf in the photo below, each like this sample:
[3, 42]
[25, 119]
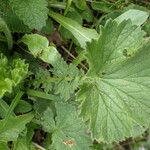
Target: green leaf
[103, 6]
[11, 74]
[66, 77]
[10, 129]
[81, 4]
[3, 146]
[49, 28]
[115, 95]
[116, 47]
[13, 22]
[64, 32]
[13, 105]
[39, 46]
[3, 108]
[4, 28]
[81, 34]
[32, 12]
[138, 17]
[21, 145]
[69, 77]
[23, 107]
[68, 131]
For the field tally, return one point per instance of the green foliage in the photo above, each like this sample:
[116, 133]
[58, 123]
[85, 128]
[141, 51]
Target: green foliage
[12, 20]
[32, 13]
[39, 46]
[4, 28]
[68, 77]
[137, 17]
[68, 131]
[76, 75]
[81, 34]
[11, 74]
[115, 89]
[10, 129]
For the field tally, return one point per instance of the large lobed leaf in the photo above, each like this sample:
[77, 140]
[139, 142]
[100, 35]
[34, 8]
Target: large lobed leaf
[32, 12]
[68, 131]
[115, 95]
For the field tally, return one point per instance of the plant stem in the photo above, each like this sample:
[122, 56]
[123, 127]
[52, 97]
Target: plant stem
[38, 146]
[13, 105]
[43, 95]
[66, 10]
[84, 67]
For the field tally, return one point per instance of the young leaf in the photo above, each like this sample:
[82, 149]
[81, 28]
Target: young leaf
[32, 12]
[81, 34]
[11, 75]
[68, 131]
[115, 96]
[10, 129]
[138, 17]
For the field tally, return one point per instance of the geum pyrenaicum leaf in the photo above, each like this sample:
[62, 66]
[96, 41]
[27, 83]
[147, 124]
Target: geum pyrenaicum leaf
[138, 17]
[32, 12]
[81, 34]
[67, 129]
[67, 76]
[115, 96]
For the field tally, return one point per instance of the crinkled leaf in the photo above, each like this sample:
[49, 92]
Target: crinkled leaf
[32, 12]
[10, 129]
[68, 131]
[115, 96]
[138, 17]
[11, 74]
[81, 34]
[13, 22]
